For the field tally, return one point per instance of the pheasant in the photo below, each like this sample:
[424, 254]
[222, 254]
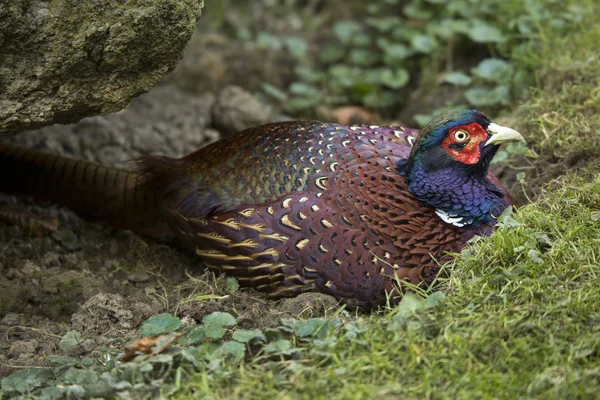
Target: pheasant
[299, 206]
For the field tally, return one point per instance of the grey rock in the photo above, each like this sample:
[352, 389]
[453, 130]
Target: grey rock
[164, 121]
[138, 277]
[64, 60]
[236, 109]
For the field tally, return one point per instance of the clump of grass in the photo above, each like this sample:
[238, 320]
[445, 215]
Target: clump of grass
[561, 122]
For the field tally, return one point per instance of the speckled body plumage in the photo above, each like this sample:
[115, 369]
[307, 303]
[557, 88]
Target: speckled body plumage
[299, 206]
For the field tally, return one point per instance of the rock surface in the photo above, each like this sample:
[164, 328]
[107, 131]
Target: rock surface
[64, 60]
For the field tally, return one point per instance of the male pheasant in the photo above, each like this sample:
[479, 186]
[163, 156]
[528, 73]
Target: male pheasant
[299, 206]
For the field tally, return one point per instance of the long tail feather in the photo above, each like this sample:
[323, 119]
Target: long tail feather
[94, 191]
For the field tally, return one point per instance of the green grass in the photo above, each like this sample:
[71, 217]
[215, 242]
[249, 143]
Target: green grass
[561, 120]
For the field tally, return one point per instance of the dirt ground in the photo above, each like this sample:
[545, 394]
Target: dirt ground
[104, 282]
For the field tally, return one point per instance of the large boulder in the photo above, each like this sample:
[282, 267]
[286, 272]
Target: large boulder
[63, 60]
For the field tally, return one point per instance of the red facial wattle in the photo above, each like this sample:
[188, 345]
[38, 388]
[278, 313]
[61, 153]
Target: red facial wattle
[465, 151]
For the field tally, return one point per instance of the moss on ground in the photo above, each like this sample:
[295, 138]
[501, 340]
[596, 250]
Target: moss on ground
[561, 121]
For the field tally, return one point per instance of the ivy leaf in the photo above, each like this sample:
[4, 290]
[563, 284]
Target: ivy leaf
[25, 381]
[434, 299]
[409, 304]
[61, 360]
[481, 32]
[494, 70]
[534, 256]
[246, 336]
[481, 97]
[423, 43]
[232, 350]
[296, 46]
[215, 324]
[232, 284]
[344, 30]
[70, 339]
[458, 79]
[159, 324]
[281, 346]
[363, 57]
[331, 53]
[394, 79]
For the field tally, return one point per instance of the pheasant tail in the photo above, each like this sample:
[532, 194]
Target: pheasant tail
[94, 191]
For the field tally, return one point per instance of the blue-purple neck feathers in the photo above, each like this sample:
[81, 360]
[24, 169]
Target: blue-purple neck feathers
[468, 199]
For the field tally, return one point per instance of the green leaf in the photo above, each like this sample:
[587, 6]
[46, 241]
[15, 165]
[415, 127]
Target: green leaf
[435, 299]
[83, 377]
[377, 99]
[70, 339]
[362, 40]
[450, 27]
[273, 91]
[410, 303]
[192, 335]
[61, 360]
[394, 79]
[303, 89]
[383, 23]
[394, 52]
[481, 32]
[265, 40]
[296, 46]
[308, 327]
[363, 57]
[413, 10]
[494, 70]
[231, 350]
[331, 53]
[246, 336]
[216, 322]
[481, 97]
[280, 346]
[159, 324]
[458, 79]
[232, 284]
[535, 256]
[344, 30]
[162, 342]
[423, 43]
[26, 380]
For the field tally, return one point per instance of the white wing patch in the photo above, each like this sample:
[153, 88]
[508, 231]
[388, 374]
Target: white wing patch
[451, 219]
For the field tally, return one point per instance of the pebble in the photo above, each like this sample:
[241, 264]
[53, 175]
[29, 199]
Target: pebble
[138, 277]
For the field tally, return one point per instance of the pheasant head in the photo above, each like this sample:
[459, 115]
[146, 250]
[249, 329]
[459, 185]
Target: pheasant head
[448, 167]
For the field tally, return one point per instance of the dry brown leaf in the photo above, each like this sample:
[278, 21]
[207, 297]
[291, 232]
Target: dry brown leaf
[352, 115]
[144, 346]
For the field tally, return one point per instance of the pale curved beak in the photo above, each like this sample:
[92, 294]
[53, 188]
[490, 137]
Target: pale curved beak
[502, 134]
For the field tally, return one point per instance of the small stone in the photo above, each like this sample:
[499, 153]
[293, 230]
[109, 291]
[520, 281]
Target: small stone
[50, 259]
[30, 268]
[72, 260]
[13, 273]
[138, 277]
[114, 247]
[10, 319]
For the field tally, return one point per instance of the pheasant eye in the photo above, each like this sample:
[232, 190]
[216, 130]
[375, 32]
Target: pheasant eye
[461, 136]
